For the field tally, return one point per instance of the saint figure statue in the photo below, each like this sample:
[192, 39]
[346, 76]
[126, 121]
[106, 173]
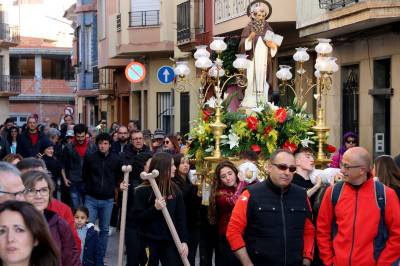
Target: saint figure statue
[257, 40]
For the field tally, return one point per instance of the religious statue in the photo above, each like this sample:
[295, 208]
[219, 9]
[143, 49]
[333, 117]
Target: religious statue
[261, 44]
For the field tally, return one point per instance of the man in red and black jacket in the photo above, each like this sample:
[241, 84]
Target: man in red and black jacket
[349, 231]
[29, 141]
[271, 223]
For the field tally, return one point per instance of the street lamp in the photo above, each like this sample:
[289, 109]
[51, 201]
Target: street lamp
[325, 66]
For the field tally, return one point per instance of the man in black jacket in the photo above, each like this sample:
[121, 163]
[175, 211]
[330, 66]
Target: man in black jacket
[4, 147]
[29, 141]
[101, 174]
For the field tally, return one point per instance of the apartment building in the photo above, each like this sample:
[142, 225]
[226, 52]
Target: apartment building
[365, 93]
[10, 85]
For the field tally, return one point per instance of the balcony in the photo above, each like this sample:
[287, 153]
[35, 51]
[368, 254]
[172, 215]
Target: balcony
[10, 85]
[331, 18]
[183, 17]
[144, 18]
[9, 35]
[332, 4]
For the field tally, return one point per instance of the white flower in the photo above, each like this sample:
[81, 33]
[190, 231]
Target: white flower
[257, 109]
[272, 106]
[211, 102]
[233, 140]
[305, 142]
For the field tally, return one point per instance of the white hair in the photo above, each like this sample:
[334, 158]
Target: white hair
[8, 168]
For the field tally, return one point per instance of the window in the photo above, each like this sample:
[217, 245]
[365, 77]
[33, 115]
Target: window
[165, 115]
[350, 98]
[88, 48]
[24, 67]
[102, 19]
[56, 68]
[183, 20]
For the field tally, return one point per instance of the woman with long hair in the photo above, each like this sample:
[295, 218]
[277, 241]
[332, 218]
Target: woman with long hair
[386, 170]
[350, 140]
[24, 236]
[225, 191]
[39, 190]
[192, 203]
[13, 158]
[12, 138]
[171, 144]
[148, 216]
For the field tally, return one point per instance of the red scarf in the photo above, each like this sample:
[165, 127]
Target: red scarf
[34, 137]
[81, 149]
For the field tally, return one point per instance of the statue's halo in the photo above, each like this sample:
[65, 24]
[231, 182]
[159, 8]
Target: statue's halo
[258, 2]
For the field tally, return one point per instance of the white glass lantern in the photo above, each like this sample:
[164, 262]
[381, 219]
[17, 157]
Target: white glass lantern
[284, 73]
[218, 45]
[324, 46]
[333, 66]
[301, 55]
[182, 69]
[241, 62]
[216, 71]
[322, 64]
[201, 51]
[203, 62]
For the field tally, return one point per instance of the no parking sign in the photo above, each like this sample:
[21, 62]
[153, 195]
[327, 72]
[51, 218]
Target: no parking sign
[135, 72]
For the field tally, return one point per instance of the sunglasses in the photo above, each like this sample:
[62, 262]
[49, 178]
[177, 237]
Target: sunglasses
[284, 167]
[179, 139]
[351, 142]
[166, 141]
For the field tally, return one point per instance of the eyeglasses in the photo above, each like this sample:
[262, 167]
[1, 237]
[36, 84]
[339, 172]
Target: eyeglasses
[33, 192]
[166, 142]
[348, 167]
[284, 167]
[14, 194]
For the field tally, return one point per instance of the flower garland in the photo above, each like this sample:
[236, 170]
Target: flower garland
[265, 129]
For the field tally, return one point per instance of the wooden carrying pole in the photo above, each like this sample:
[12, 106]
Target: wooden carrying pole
[150, 177]
[126, 169]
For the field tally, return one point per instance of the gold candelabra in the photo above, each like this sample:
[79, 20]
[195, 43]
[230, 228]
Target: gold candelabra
[325, 67]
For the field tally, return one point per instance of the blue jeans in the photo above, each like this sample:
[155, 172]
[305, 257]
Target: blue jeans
[102, 210]
[77, 194]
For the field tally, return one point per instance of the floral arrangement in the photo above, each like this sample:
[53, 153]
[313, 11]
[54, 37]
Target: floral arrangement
[263, 130]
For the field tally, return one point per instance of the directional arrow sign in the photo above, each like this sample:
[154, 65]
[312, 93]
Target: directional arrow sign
[165, 74]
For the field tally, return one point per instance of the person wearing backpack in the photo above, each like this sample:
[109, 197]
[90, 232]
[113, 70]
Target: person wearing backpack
[359, 219]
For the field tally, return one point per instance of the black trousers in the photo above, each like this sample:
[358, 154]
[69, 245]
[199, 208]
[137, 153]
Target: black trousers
[227, 257]
[208, 244]
[135, 248]
[164, 252]
[194, 239]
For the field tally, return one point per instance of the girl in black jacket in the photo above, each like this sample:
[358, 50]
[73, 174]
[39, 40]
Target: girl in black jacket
[149, 218]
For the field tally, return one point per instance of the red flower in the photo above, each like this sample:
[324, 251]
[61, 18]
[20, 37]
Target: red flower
[252, 123]
[280, 115]
[255, 148]
[330, 148]
[206, 115]
[289, 146]
[267, 130]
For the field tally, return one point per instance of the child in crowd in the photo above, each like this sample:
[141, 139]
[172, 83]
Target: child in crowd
[89, 238]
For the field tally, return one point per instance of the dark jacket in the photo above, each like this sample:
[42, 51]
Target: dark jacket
[4, 147]
[54, 166]
[91, 250]
[101, 174]
[151, 222]
[116, 147]
[64, 239]
[25, 146]
[73, 162]
[277, 225]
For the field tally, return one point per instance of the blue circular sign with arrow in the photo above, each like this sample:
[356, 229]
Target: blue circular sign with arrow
[165, 74]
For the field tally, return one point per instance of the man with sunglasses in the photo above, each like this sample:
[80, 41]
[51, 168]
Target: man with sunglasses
[271, 223]
[11, 186]
[349, 226]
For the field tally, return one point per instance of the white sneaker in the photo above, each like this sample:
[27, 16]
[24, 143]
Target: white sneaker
[111, 230]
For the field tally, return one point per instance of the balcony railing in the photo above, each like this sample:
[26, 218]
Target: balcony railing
[183, 29]
[118, 22]
[144, 18]
[10, 84]
[9, 33]
[332, 4]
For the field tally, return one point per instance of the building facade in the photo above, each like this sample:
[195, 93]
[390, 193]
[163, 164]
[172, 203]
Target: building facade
[365, 35]
[10, 85]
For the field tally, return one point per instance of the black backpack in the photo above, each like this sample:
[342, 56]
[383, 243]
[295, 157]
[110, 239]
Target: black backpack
[380, 196]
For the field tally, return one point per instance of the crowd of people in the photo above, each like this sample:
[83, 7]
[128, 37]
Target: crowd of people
[60, 193]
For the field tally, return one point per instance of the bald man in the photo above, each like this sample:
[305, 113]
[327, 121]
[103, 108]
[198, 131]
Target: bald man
[11, 186]
[348, 231]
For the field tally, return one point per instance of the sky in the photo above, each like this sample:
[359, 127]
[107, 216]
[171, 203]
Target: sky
[44, 19]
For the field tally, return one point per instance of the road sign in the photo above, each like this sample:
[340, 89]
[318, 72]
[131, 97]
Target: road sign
[68, 110]
[165, 74]
[135, 72]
